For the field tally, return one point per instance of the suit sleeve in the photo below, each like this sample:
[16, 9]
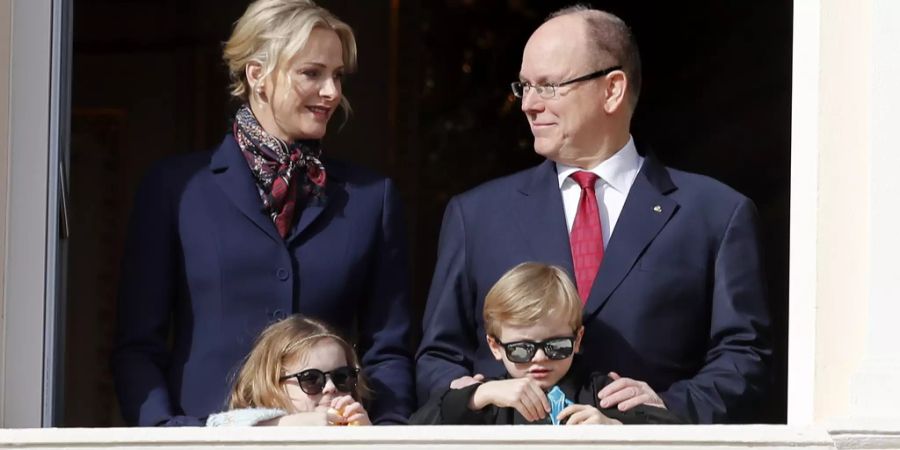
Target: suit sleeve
[447, 349]
[735, 374]
[385, 320]
[451, 407]
[638, 415]
[145, 304]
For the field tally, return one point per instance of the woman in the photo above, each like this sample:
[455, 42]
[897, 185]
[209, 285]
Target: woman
[223, 243]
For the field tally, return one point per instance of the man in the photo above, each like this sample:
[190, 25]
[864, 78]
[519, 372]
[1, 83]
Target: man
[677, 308]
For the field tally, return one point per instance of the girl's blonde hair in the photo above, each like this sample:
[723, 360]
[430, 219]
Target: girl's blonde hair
[271, 32]
[529, 292]
[258, 384]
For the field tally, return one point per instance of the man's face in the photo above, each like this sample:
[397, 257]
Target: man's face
[545, 371]
[566, 127]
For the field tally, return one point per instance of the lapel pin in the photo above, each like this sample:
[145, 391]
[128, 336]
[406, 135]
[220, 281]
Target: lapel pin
[657, 209]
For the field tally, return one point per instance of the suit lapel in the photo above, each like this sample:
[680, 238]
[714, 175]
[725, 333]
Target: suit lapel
[309, 209]
[541, 218]
[646, 211]
[232, 174]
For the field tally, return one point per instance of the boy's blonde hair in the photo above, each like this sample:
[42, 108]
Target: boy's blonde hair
[258, 383]
[272, 31]
[529, 292]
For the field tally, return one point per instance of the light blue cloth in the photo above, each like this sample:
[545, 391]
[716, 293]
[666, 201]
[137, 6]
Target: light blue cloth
[558, 402]
[244, 417]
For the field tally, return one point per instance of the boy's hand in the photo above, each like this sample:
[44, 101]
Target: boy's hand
[345, 410]
[584, 415]
[462, 382]
[523, 394]
[628, 393]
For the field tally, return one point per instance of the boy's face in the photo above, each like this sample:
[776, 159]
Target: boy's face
[547, 372]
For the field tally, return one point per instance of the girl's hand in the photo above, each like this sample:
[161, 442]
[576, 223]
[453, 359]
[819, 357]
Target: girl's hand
[345, 410]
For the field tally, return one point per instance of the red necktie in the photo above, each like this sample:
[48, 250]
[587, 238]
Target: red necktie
[586, 237]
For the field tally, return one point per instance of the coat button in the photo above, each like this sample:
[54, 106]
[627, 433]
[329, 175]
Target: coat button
[282, 274]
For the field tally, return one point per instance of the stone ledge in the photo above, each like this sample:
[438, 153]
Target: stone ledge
[865, 433]
[457, 437]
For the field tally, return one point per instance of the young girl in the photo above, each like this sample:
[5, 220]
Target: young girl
[300, 372]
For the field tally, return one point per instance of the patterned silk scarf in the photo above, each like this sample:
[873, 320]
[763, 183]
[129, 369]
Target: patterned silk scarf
[275, 165]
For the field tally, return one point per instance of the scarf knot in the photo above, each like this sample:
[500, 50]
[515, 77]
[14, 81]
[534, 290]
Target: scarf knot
[276, 164]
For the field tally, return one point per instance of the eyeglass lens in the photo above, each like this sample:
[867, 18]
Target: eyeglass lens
[524, 351]
[312, 381]
[519, 90]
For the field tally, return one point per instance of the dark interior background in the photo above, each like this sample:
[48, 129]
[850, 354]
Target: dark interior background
[432, 109]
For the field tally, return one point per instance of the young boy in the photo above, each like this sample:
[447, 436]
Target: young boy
[532, 317]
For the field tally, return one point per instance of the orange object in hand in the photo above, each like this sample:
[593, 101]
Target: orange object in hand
[340, 413]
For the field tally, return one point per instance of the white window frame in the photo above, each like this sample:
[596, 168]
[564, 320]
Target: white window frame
[29, 325]
[37, 95]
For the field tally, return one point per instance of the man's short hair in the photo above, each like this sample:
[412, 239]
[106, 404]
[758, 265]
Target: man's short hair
[529, 292]
[613, 42]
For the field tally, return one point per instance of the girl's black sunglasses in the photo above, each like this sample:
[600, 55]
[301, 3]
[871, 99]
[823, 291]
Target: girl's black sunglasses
[312, 381]
[523, 351]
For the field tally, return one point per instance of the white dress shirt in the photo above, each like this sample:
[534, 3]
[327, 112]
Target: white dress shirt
[616, 174]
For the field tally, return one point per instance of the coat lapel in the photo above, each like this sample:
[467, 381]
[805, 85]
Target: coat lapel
[310, 209]
[542, 219]
[232, 174]
[646, 211]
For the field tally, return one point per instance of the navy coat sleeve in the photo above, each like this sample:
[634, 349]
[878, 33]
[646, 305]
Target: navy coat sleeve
[385, 320]
[447, 349]
[734, 374]
[145, 306]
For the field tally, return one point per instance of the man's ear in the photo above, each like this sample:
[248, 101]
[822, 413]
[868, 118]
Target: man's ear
[578, 336]
[496, 349]
[615, 92]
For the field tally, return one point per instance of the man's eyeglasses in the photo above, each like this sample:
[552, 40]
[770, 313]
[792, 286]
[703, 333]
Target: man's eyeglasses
[312, 381]
[548, 91]
[523, 351]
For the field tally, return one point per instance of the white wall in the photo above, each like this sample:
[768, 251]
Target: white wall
[871, 394]
[843, 205]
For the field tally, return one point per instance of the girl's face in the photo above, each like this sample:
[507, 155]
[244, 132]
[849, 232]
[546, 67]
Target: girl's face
[325, 355]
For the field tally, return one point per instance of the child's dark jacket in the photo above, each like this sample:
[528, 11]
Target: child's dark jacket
[451, 407]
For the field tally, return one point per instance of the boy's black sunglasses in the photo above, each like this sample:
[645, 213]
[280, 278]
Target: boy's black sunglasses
[523, 351]
[312, 381]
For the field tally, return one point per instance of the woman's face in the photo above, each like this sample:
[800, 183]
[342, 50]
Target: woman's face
[298, 100]
[325, 355]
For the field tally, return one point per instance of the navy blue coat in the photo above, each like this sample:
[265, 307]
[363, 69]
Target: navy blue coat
[204, 264]
[679, 300]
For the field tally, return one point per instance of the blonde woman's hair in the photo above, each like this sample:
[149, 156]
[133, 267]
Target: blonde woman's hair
[271, 32]
[258, 383]
[529, 292]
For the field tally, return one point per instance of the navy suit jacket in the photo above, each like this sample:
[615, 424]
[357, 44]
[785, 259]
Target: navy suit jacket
[205, 267]
[679, 300]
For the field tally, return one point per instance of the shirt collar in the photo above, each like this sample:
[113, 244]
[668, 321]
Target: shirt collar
[619, 170]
